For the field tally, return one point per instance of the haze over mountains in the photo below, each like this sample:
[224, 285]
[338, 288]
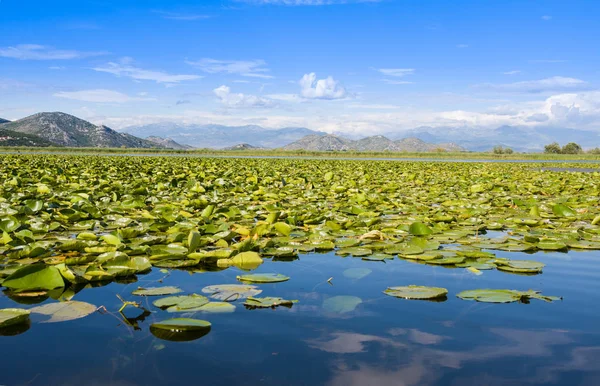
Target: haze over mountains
[60, 129]
[219, 136]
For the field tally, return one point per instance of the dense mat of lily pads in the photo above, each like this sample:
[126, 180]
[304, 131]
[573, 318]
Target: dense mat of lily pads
[69, 221]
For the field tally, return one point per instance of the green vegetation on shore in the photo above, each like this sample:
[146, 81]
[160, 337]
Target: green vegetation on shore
[309, 154]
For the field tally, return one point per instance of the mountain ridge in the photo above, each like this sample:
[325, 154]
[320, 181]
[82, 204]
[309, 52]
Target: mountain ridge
[376, 143]
[67, 130]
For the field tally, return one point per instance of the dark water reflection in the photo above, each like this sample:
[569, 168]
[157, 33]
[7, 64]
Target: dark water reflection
[384, 341]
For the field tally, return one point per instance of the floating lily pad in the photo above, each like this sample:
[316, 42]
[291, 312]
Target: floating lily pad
[268, 302]
[341, 304]
[156, 291]
[356, 273]
[263, 278]
[522, 266]
[181, 303]
[34, 277]
[13, 316]
[503, 296]
[417, 292]
[231, 292]
[64, 311]
[180, 329]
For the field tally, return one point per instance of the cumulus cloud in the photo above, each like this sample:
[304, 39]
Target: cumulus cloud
[250, 68]
[99, 96]
[513, 72]
[553, 84]
[39, 52]
[126, 69]
[239, 100]
[327, 88]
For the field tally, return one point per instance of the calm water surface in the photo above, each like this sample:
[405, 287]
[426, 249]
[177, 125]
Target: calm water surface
[384, 341]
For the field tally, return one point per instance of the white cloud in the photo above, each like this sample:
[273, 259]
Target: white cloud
[327, 88]
[397, 72]
[546, 17]
[286, 97]
[553, 84]
[513, 72]
[306, 2]
[250, 68]
[39, 52]
[128, 70]
[99, 96]
[239, 100]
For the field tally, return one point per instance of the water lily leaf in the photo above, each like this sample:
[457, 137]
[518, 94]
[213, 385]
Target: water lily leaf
[156, 291]
[247, 260]
[13, 316]
[354, 251]
[356, 273]
[180, 329]
[419, 229]
[283, 228]
[34, 277]
[64, 311]
[347, 243]
[416, 292]
[263, 278]
[551, 245]
[231, 292]
[524, 266]
[561, 210]
[450, 260]
[341, 304]
[503, 296]
[181, 303]
[268, 302]
[214, 307]
[9, 224]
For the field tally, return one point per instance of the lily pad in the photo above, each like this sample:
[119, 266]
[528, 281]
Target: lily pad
[263, 278]
[180, 329]
[156, 291]
[341, 304]
[503, 296]
[417, 292]
[64, 311]
[181, 303]
[34, 277]
[231, 292]
[268, 302]
[356, 273]
[13, 316]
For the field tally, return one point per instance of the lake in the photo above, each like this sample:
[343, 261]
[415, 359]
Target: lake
[457, 227]
[383, 341]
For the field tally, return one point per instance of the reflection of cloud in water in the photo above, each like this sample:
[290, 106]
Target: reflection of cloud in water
[348, 343]
[424, 365]
[417, 336]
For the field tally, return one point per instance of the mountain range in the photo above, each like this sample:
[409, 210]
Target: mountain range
[519, 138]
[375, 143]
[219, 136]
[60, 129]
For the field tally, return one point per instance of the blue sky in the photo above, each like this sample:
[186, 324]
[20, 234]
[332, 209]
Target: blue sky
[357, 67]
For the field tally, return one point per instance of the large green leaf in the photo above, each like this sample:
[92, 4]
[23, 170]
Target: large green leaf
[156, 291]
[263, 278]
[65, 311]
[417, 292]
[34, 277]
[12, 316]
[341, 304]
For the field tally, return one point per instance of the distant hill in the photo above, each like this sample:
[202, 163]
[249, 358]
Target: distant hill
[219, 136]
[242, 146]
[519, 138]
[2, 120]
[13, 138]
[374, 143]
[67, 130]
[321, 143]
[167, 143]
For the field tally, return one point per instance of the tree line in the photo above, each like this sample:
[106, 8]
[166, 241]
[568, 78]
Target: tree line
[569, 148]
